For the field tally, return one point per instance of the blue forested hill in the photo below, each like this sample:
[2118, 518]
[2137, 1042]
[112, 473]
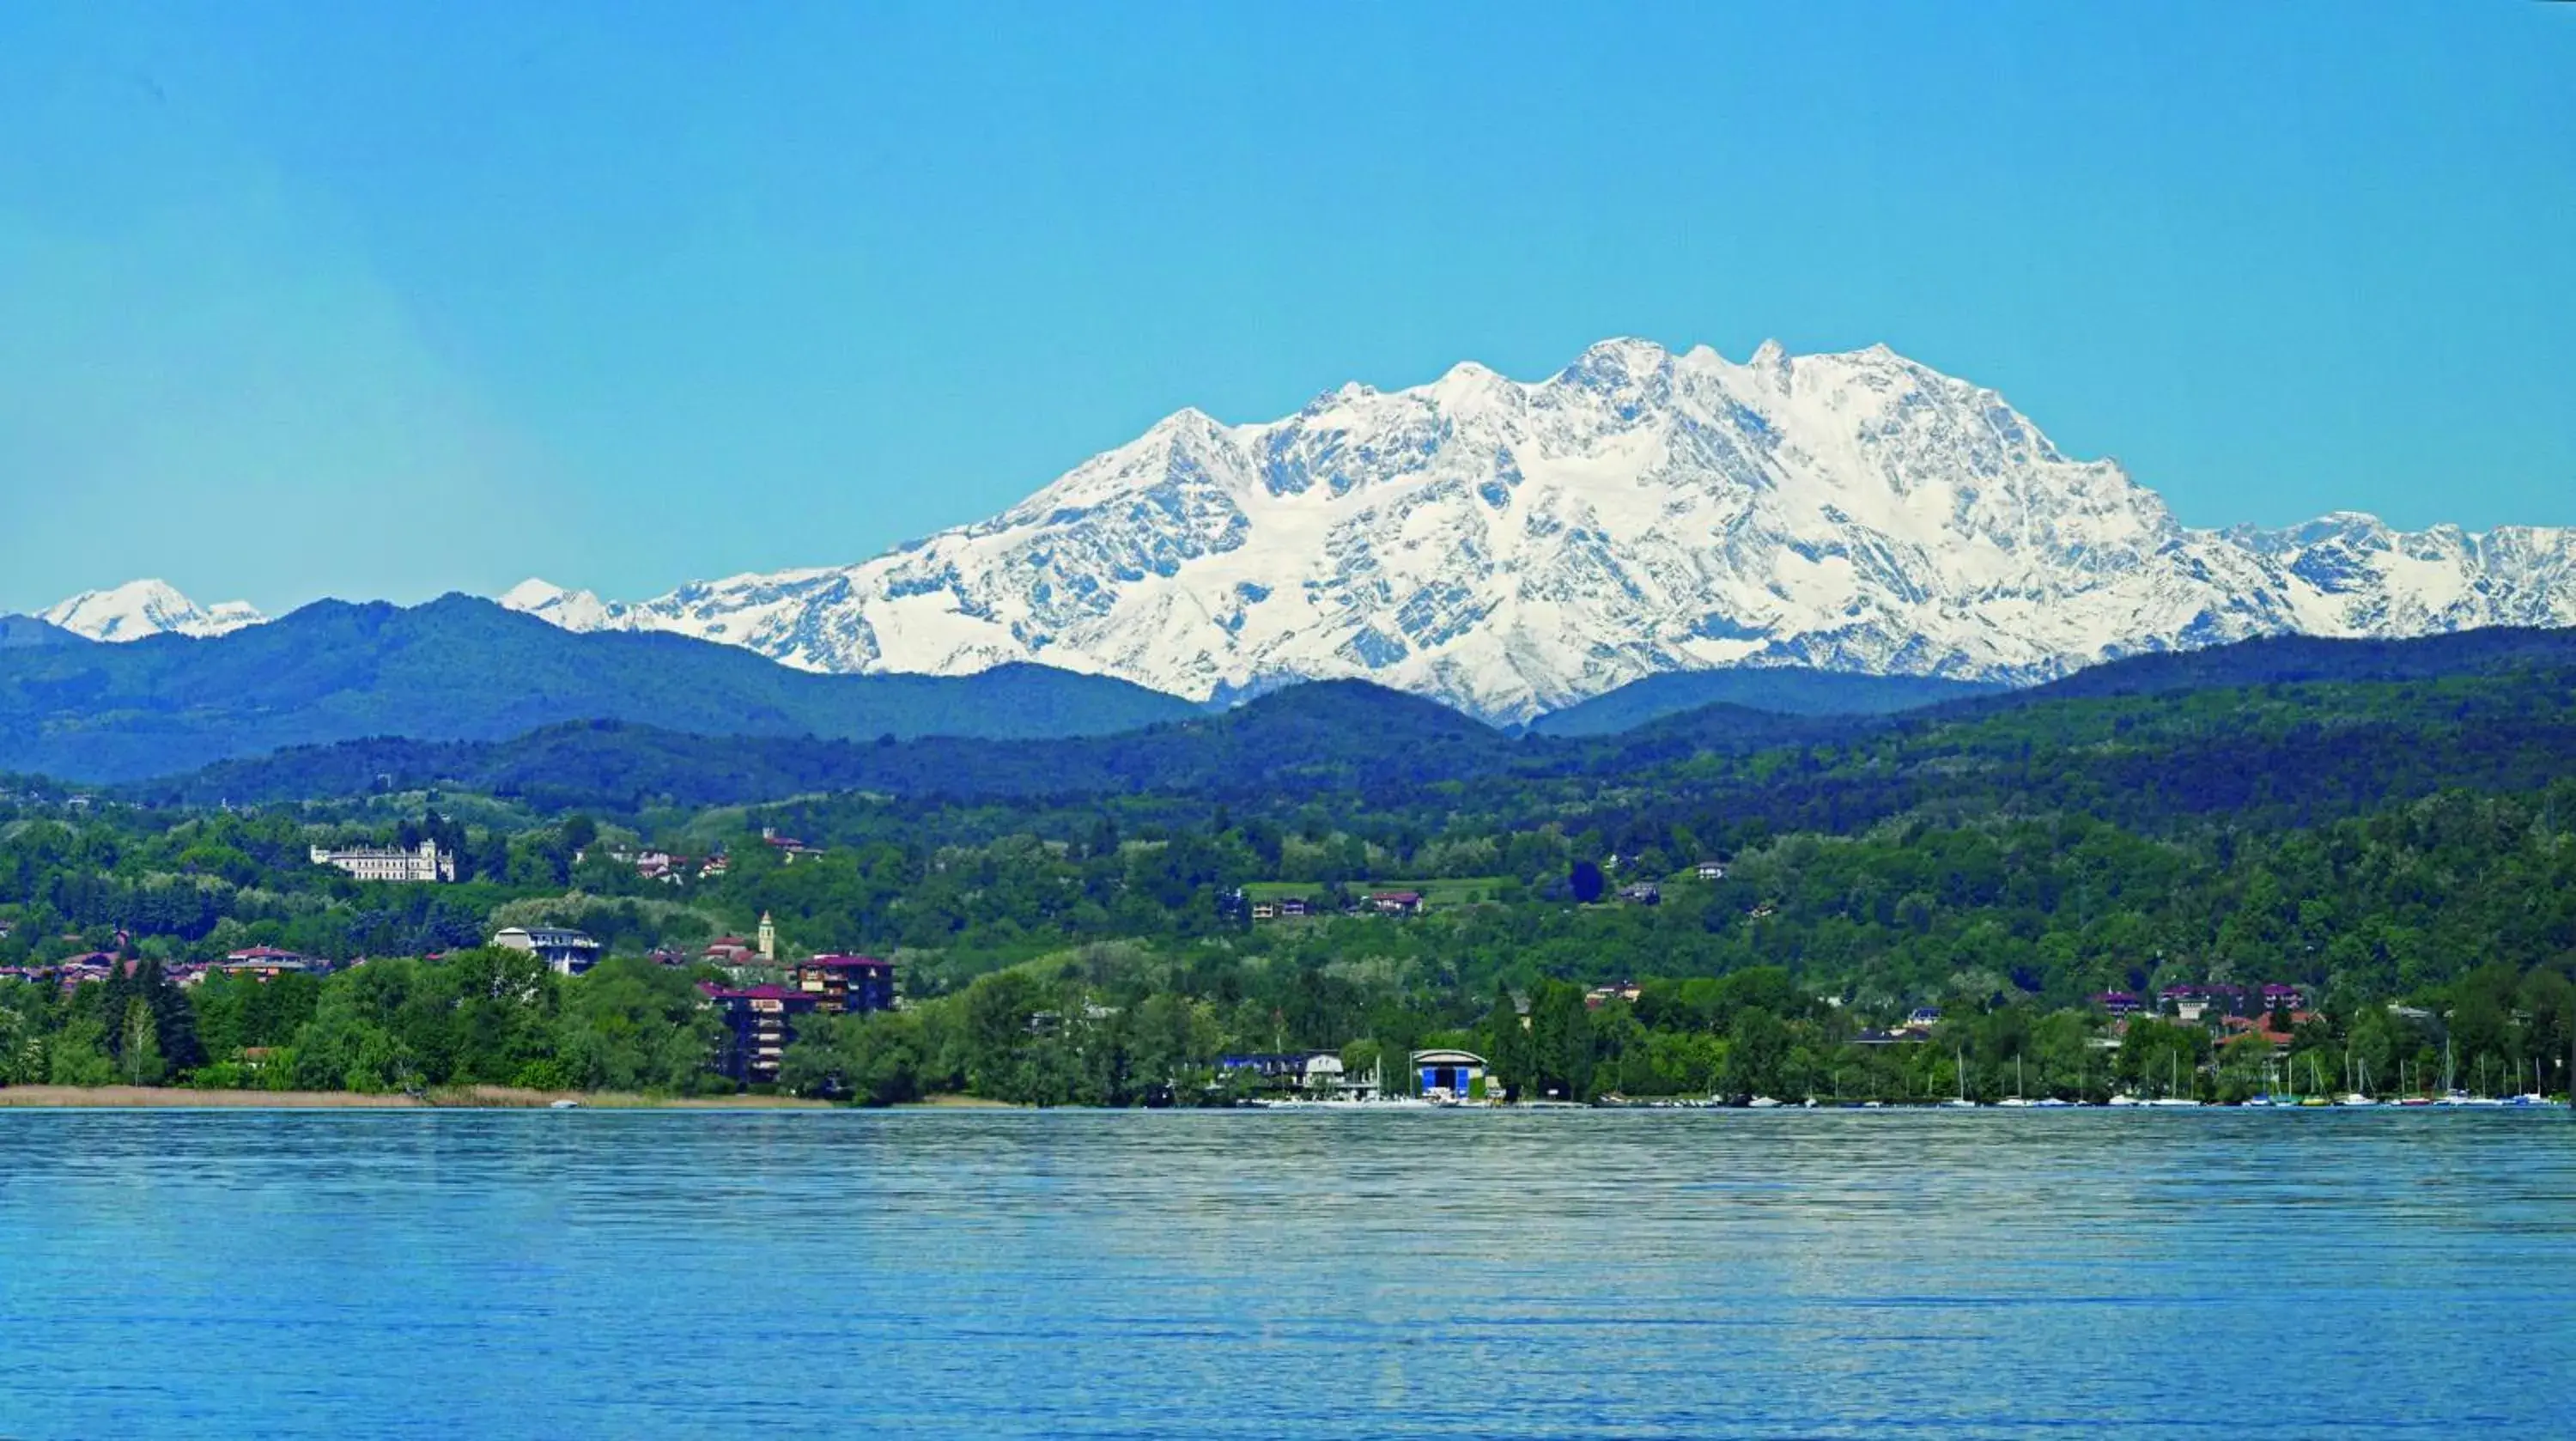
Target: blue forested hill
[2269, 753]
[462, 669]
[2300, 659]
[1780, 690]
[1326, 736]
[2338, 714]
[26, 632]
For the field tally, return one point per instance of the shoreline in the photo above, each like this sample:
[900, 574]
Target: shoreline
[512, 1098]
[460, 1098]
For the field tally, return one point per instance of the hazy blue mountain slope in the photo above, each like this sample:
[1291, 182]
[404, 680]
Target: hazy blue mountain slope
[1781, 690]
[466, 669]
[26, 632]
[1329, 735]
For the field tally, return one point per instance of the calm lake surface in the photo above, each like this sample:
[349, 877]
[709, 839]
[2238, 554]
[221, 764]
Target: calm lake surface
[593, 1273]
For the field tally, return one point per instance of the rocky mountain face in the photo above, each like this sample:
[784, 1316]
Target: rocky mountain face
[146, 608]
[1514, 547]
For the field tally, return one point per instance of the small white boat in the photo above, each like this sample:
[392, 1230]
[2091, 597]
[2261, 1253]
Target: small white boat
[2356, 1098]
[565, 1105]
[2125, 1099]
[1763, 1103]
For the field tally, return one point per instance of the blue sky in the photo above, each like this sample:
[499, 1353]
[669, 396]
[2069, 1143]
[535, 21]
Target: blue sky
[384, 300]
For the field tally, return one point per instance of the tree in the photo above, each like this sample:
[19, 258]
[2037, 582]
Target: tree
[1586, 881]
[78, 1054]
[1560, 1043]
[139, 1054]
[1508, 1046]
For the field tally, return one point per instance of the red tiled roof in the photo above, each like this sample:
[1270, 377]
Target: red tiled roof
[715, 992]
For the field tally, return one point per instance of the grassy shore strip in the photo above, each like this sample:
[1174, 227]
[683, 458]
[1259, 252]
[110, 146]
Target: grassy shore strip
[489, 1098]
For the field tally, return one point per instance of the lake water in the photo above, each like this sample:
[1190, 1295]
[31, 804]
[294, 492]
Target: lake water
[591, 1273]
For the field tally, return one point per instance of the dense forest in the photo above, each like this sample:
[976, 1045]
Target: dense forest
[1075, 920]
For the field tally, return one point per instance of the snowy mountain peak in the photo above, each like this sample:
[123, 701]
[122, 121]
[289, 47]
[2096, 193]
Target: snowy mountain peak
[572, 609]
[143, 608]
[1512, 546]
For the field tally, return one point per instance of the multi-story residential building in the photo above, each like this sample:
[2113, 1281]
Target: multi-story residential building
[758, 1026]
[760, 1021]
[566, 953]
[848, 984]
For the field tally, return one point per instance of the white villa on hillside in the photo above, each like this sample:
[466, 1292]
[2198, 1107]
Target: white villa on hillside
[387, 863]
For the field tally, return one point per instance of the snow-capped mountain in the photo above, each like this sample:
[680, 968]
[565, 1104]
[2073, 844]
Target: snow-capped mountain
[1511, 547]
[576, 610]
[147, 607]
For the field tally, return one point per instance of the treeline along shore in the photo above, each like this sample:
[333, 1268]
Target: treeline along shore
[2207, 889]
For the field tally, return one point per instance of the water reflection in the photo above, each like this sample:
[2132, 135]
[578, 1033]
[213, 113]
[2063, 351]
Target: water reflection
[1579, 1274]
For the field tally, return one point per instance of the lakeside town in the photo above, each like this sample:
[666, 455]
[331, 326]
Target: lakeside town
[2182, 1045]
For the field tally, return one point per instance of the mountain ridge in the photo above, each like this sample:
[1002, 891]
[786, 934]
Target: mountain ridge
[462, 668]
[140, 609]
[1354, 736]
[1512, 548]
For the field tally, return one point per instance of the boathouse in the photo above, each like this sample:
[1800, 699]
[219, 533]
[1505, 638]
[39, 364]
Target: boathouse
[1452, 1073]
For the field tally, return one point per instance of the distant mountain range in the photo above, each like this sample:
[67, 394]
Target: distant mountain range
[140, 609]
[465, 669]
[1514, 549]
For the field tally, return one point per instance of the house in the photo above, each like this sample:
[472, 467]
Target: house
[566, 953]
[1710, 870]
[264, 963]
[1600, 996]
[2240, 1026]
[1644, 893]
[1450, 1075]
[1396, 903]
[1284, 1070]
[2119, 1003]
[759, 1023]
[2278, 997]
[1295, 907]
[72, 971]
[848, 985]
[425, 862]
[660, 866]
[1265, 910]
[788, 847]
[734, 952]
[2191, 1003]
